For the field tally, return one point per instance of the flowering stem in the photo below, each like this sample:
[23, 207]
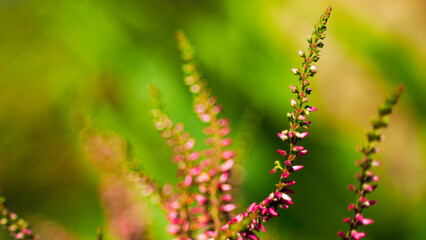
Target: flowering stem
[256, 213]
[219, 161]
[17, 227]
[367, 178]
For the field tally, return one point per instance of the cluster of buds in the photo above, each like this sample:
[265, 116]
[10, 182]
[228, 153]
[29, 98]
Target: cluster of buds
[367, 178]
[243, 225]
[202, 202]
[17, 227]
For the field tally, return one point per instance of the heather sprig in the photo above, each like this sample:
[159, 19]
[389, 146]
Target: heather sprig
[18, 228]
[218, 160]
[243, 225]
[367, 178]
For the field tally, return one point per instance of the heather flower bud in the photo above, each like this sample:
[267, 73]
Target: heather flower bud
[282, 152]
[293, 103]
[296, 168]
[228, 207]
[295, 71]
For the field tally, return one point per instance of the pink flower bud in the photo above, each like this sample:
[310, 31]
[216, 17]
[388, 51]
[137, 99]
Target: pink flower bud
[203, 177]
[224, 177]
[293, 88]
[194, 156]
[226, 142]
[282, 152]
[228, 207]
[272, 212]
[224, 122]
[282, 136]
[295, 71]
[204, 117]
[351, 207]
[357, 235]
[291, 134]
[293, 103]
[228, 154]
[224, 227]
[252, 207]
[347, 220]
[341, 234]
[289, 183]
[312, 109]
[296, 168]
[287, 162]
[303, 152]
[227, 165]
[286, 197]
[302, 135]
[200, 199]
[195, 171]
[286, 175]
[188, 180]
[273, 170]
[226, 197]
[226, 187]
[298, 148]
[173, 229]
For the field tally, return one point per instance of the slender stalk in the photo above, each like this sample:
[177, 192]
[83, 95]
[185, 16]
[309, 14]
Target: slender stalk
[367, 178]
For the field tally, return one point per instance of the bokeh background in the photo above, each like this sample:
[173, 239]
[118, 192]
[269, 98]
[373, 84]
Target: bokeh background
[61, 60]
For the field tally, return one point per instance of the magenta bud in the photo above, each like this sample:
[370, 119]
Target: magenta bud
[352, 187]
[293, 103]
[298, 148]
[347, 220]
[228, 154]
[282, 136]
[228, 207]
[226, 197]
[252, 207]
[293, 89]
[272, 212]
[351, 207]
[282, 152]
[226, 142]
[296, 168]
[341, 234]
[287, 162]
[262, 228]
[173, 229]
[312, 109]
[286, 175]
[295, 71]
[303, 135]
[227, 165]
[286, 197]
[303, 152]
[357, 235]
[273, 171]
[188, 180]
[224, 227]
[291, 134]
[226, 187]
[289, 183]
[264, 210]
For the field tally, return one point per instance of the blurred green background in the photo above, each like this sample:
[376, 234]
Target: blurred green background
[58, 57]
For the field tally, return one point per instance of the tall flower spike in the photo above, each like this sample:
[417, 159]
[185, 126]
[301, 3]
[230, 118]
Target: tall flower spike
[180, 206]
[367, 177]
[18, 228]
[219, 160]
[267, 209]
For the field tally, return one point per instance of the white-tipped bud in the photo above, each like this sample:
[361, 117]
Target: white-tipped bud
[301, 53]
[293, 103]
[295, 71]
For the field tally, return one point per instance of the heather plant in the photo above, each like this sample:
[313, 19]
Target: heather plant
[201, 206]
